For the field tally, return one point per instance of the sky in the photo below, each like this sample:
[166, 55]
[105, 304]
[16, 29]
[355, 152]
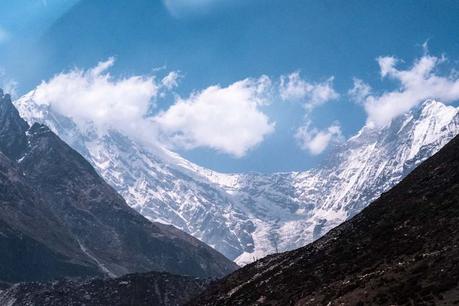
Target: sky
[236, 86]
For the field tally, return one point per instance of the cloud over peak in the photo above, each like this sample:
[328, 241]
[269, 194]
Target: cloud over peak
[227, 119]
[93, 98]
[418, 83]
[315, 141]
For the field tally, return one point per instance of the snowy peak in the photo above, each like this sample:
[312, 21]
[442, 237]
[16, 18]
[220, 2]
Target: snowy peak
[426, 120]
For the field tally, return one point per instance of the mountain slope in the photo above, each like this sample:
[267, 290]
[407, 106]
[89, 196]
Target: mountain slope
[153, 288]
[34, 245]
[57, 212]
[402, 249]
[247, 216]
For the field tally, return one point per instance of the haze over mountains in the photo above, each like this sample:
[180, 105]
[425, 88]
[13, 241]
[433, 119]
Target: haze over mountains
[59, 218]
[247, 216]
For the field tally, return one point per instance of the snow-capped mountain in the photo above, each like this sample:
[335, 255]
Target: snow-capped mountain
[247, 216]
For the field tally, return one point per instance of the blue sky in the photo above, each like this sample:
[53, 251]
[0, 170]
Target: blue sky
[318, 48]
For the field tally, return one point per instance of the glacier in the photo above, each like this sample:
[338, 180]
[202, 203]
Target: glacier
[247, 216]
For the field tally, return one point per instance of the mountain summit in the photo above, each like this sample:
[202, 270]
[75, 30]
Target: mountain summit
[12, 128]
[59, 218]
[247, 216]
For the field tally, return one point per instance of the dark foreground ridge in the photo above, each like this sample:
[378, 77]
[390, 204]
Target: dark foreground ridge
[59, 218]
[160, 289]
[402, 249]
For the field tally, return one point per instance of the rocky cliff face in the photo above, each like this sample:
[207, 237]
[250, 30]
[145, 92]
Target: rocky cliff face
[59, 218]
[402, 249]
[247, 216]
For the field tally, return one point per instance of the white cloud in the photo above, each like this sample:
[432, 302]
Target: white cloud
[93, 98]
[170, 81]
[316, 141]
[360, 91]
[417, 84]
[293, 88]
[227, 119]
[7, 84]
[386, 65]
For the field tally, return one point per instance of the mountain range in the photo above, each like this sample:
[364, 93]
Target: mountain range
[250, 215]
[403, 249]
[59, 218]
